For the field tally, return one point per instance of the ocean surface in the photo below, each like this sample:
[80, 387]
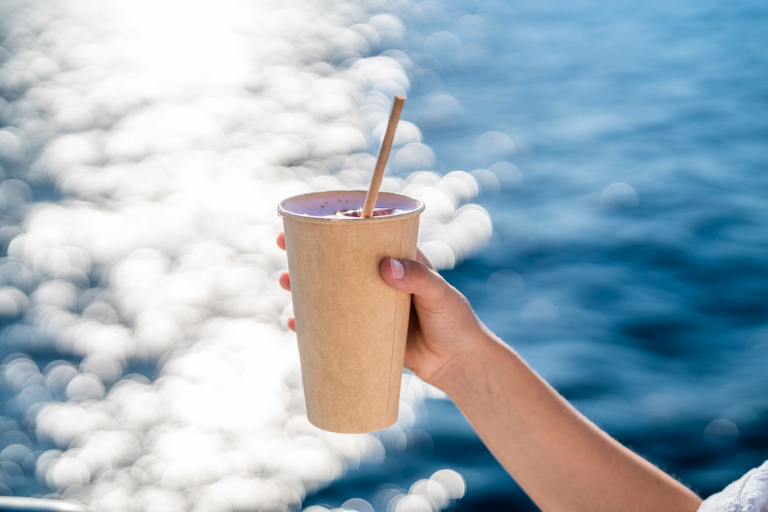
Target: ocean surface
[595, 181]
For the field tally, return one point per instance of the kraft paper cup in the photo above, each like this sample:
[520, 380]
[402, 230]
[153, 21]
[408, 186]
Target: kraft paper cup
[350, 325]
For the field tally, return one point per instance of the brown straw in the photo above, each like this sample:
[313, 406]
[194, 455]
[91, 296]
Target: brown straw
[381, 163]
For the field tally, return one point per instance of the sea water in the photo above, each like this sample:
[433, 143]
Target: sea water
[593, 176]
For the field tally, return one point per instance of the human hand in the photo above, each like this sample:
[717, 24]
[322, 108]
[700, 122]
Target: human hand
[443, 328]
[284, 280]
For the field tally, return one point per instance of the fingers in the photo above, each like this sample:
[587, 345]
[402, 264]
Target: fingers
[285, 281]
[414, 277]
[420, 256]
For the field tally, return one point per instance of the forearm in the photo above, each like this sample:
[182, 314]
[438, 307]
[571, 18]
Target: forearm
[558, 457]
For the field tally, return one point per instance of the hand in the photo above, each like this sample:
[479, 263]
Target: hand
[540, 439]
[284, 280]
[443, 328]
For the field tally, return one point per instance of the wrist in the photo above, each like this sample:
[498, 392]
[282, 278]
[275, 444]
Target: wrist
[468, 368]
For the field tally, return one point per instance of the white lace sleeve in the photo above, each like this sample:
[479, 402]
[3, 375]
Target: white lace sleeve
[747, 494]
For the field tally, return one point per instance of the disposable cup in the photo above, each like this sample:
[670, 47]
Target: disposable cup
[350, 325]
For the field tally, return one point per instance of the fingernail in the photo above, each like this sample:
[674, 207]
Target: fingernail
[398, 270]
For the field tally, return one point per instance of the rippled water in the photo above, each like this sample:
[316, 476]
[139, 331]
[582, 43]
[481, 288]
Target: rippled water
[594, 183]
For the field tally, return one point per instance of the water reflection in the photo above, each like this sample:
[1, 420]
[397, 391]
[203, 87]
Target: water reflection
[435, 493]
[145, 346]
[145, 361]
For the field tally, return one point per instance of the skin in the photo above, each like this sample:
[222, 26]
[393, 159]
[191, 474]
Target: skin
[562, 460]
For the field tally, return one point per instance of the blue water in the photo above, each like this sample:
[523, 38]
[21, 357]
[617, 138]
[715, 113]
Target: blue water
[660, 318]
[629, 256]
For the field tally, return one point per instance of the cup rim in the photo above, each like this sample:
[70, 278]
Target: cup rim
[282, 211]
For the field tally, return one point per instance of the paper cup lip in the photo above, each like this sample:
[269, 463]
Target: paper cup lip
[311, 207]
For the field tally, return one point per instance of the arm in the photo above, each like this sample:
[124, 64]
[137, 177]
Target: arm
[562, 460]
[558, 457]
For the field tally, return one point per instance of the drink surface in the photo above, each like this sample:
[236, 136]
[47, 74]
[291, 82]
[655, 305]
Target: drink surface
[347, 205]
[377, 212]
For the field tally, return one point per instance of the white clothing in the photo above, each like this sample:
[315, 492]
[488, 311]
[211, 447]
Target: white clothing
[747, 494]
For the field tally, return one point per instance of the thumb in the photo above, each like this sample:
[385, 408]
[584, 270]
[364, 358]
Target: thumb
[414, 277]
